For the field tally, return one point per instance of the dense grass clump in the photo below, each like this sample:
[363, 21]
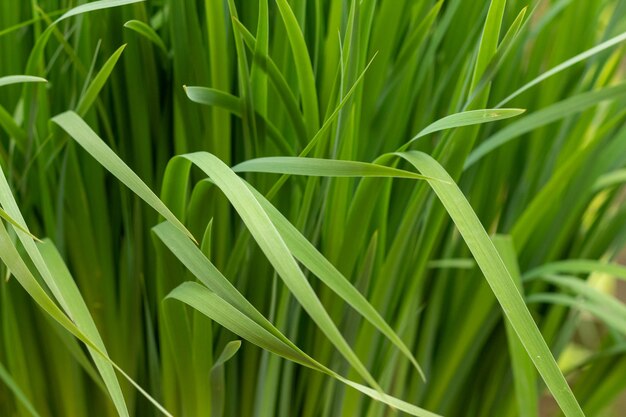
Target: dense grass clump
[312, 208]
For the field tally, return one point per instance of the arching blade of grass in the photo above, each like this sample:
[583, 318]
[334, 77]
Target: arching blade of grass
[271, 243]
[467, 118]
[558, 111]
[321, 168]
[14, 262]
[582, 288]
[499, 279]
[223, 313]
[244, 202]
[36, 53]
[78, 311]
[234, 105]
[565, 65]
[301, 248]
[7, 201]
[315, 262]
[205, 271]
[93, 6]
[17, 79]
[87, 138]
[607, 315]
[213, 97]
[611, 179]
[224, 295]
[200, 266]
[577, 266]
[147, 32]
[4, 215]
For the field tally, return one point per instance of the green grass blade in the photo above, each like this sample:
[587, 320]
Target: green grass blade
[321, 168]
[78, 311]
[278, 80]
[12, 259]
[565, 65]
[224, 294]
[202, 268]
[582, 288]
[611, 179]
[37, 52]
[233, 104]
[258, 77]
[499, 279]
[17, 79]
[93, 6]
[501, 53]
[557, 111]
[89, 140]
[270, 241]
[315, 262]
[91, 94]
[227, 353]
[488, 41]
[607, 315]
[13, 129]
[467, 118]
[213, 97]
[577, 266]
[147, 32]
[4, 215]
[524, 374]
[7, 201]
[253, 215]
[304, 69]
[215, 308]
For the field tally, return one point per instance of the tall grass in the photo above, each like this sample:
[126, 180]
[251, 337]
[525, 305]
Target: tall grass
[312, 208]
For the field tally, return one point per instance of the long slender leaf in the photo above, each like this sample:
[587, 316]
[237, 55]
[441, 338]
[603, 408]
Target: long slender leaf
[499, 279]
[16, 79]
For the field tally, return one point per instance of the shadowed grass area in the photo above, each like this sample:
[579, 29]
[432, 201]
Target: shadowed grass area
[312, 208]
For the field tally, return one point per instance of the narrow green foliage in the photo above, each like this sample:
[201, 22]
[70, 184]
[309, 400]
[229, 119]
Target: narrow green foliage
[16, 79]
[312, 208]
[499, 280]
[148, 32]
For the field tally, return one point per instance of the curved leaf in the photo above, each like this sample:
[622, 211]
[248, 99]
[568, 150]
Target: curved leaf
[321, 168]
[147, 32]
[89, 140]
[498, 277]
[17, 79]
